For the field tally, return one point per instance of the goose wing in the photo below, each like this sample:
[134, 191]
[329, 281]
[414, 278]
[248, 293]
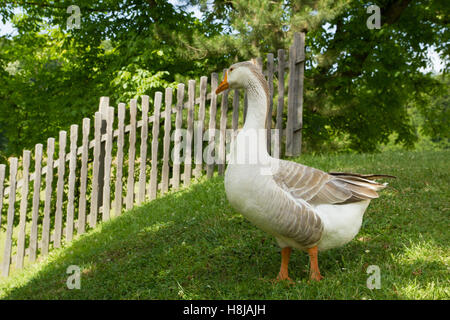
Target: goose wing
[318, 187]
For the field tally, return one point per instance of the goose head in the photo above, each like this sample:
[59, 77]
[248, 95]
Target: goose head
[244, 75]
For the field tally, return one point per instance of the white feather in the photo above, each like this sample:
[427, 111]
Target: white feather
[341, 223]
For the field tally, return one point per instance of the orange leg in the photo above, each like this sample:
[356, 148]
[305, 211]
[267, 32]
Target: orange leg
[315, 273]
[285, 255]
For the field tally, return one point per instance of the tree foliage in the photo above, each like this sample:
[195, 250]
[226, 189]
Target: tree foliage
[359, 82]
[51, 76]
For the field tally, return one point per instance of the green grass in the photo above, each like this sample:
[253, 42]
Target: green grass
[191, 244]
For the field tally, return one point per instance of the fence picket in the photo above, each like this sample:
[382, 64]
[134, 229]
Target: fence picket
[299, 40]
[280, 104]
[95, 170]
[198, 136]
[36, 196]
[212, 126]
[71, 191]
[178, 135]
[223, 127]
[131, 156]
[108, 161]
[143, 155]
[290, 110]
[189, 133]
[60, 189]
[83, 177]
[295, 96]
[270, 107]
[48, 196]
[2, 188]
[10, 218]
[23, 209]
[154, 156]
[118, 200]
[103, 109]
[166, 146]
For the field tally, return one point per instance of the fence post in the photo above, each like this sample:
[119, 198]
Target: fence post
[10, 217]
[23, 209]
[270, 69]
[2, 188]
[59, 189]
[295, 96]
[103, 109]
[35, 206]
[280, 103]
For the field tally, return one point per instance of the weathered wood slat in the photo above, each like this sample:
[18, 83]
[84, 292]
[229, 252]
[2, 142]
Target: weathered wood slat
[299, 40]
[154, 157]
[71, 190]
[166, 146]
[48, 196]
[270, 68]
[143, 155]
[23, 210]
[131, 156]
[93, 213]
[2, 188]
[280, 104]
[189, 134]
[291, 104]
[118, 198]
[81, 228]
[108, 162]
[177, 138]
[212, 126]
[103, 109]
[295, 96]
[223, 127]
[200, 124]
[60, 189]
[36, 198]
[10, 218]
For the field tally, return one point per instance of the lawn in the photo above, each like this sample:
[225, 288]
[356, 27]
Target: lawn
[191, 244]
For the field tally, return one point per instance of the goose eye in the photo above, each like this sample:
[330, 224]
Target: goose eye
[231, 69]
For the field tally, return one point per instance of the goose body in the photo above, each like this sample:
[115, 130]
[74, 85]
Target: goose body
[302, 207]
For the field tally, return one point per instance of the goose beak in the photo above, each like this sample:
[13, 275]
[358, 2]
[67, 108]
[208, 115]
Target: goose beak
[223, 85]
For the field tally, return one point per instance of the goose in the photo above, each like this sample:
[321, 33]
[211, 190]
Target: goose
[302, 207]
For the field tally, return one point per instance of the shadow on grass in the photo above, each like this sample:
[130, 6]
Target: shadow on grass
[177, 246]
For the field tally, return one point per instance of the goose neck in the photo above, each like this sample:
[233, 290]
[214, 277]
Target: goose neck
[257, 107]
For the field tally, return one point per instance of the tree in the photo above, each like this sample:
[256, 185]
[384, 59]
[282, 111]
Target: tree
[51, 75]
[359, 81]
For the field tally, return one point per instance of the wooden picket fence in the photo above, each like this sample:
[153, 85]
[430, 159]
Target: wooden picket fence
[106, 169]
